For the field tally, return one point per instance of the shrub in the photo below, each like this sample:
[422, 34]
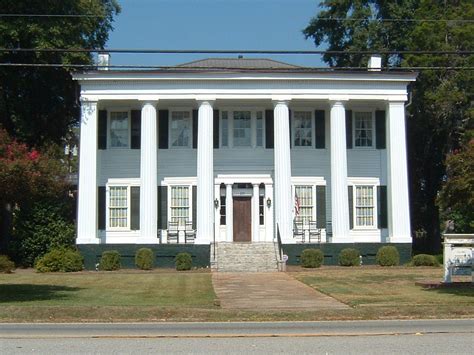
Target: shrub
[312, 258]
[183, 261]
[424, 260]
[6, 265]
[387, 256]
[439, 259]
[60, 259]
[349, 257]
[110, 260]
[144, 259]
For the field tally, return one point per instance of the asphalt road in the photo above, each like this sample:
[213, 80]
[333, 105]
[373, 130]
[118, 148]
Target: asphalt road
[352, 337]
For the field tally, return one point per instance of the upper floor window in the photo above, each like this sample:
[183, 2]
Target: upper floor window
[119, 132]
[180, 129]
[363, 129]
[242, 129]
[303, 129]
[364, 206]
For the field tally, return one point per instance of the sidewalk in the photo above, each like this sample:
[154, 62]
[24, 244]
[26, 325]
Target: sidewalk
[269, 291]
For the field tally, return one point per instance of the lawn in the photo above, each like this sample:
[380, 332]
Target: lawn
[166, 295]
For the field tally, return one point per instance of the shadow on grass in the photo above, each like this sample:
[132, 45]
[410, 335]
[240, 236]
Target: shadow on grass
[461, 290]
[30, 292]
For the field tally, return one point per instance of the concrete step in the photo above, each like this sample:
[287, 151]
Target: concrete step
[246, 257]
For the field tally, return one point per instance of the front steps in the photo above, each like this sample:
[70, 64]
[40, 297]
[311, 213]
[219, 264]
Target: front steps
[246, 257]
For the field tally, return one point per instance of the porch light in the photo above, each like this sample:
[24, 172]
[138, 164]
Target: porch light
[269, 202]
[216, 203]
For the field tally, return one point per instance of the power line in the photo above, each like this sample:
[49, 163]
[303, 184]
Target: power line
[49, 15]
[215, 51]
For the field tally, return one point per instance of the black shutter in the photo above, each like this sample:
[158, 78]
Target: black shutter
[349, 129]
[163, 123]
[321, 206]
[194, 200]
[216, 129]
[382, 207]
[351, 209]
[101, 207]
[195, 128]
[320, 127]
[380, 135]
[102, 130]
[289, 127]
[269, 129]
[136, 129]
[162, 207]
[135, 208]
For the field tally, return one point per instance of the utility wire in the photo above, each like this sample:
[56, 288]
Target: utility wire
[213, 51]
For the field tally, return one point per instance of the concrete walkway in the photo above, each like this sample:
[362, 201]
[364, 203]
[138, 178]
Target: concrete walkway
[269, 291]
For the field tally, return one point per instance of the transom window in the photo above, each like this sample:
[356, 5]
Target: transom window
[363, 131]
[118, 207]
[179, 204]
[304, 203]
[180, 129]
[364, 206]
[119, 129]
[242, 129]
[303, 129]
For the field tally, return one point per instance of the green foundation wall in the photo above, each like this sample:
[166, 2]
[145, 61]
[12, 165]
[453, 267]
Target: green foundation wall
[164, 254]
[331, 251]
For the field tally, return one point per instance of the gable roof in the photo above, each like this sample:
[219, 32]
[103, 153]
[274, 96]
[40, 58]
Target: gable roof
[237, 63]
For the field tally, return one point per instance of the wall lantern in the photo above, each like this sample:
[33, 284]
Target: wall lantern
[216, 203]
[269, 202]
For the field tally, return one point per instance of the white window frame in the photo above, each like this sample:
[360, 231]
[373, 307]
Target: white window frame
[372, 182]
[293, 128]
[109, 126]
[312, 181]
[128, 183]
[183, 181]
[253, 127]
[372, 114]
[179, 109]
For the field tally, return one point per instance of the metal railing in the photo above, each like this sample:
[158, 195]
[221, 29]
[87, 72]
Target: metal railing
[280, 247]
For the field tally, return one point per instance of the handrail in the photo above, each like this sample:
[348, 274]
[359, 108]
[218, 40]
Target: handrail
[280, 248]
[214, 241]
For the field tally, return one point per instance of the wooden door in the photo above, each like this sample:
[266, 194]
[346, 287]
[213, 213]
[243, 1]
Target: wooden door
[242, 219]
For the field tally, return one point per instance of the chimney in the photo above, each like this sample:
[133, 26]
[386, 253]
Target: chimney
[375, 63]
[103, 61]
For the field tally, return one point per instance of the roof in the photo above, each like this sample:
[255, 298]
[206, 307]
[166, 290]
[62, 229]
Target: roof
[238, 63]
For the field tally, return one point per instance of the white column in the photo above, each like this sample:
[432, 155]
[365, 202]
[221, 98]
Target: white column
[398, 205]
[229, 213]
[205, 175]
[283, 200]
[148, 175]
[339, 193]
[87, 189]
[255, 214]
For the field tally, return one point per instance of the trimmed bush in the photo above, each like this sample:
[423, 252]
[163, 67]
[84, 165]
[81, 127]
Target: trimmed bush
[6, 265]
[439, 259]
[183, 261]
[387, 256]
[60, 259]
[424, 260]
[349, 257]
[110, 260]
[312, 258]
[144, 259]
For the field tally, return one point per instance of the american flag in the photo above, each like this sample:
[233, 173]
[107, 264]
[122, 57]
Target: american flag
[297, 204]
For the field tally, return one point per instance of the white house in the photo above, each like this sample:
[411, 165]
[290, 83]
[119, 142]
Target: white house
[226, 151]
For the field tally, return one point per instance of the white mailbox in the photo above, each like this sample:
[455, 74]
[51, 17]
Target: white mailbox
[458, 255]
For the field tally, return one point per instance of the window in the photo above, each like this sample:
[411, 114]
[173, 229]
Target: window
[304, 203]
[119, 129]
[364, 206]
[118, 207]
[242, 129]
[179, 204]
[259, 129]
[363, 131]
[180, 129]
[303, 129]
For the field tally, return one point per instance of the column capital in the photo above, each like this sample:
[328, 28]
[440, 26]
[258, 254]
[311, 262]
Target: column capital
[145, 102]
[337, 102]
[203, 100]
[281, 101]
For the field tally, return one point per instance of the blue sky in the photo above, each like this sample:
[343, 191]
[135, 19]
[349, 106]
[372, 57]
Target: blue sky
[212, 24]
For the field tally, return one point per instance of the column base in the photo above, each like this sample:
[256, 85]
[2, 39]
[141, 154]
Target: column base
[88, 241]
[400, 239]
[342, 240]
[148, 241]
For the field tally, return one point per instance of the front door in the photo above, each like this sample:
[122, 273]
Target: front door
[242, 219]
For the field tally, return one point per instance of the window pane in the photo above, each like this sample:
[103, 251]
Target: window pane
[118, 211]
[180, 204]
[119, 129]
[180, 129]
[242, 129]
[304, 199]
[303, 125]
[363, 129]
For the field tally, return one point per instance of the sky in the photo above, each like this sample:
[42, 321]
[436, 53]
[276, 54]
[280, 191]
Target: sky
[212, 24]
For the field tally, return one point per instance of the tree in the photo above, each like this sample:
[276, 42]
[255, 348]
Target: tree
[39, 104]
[440, 112]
